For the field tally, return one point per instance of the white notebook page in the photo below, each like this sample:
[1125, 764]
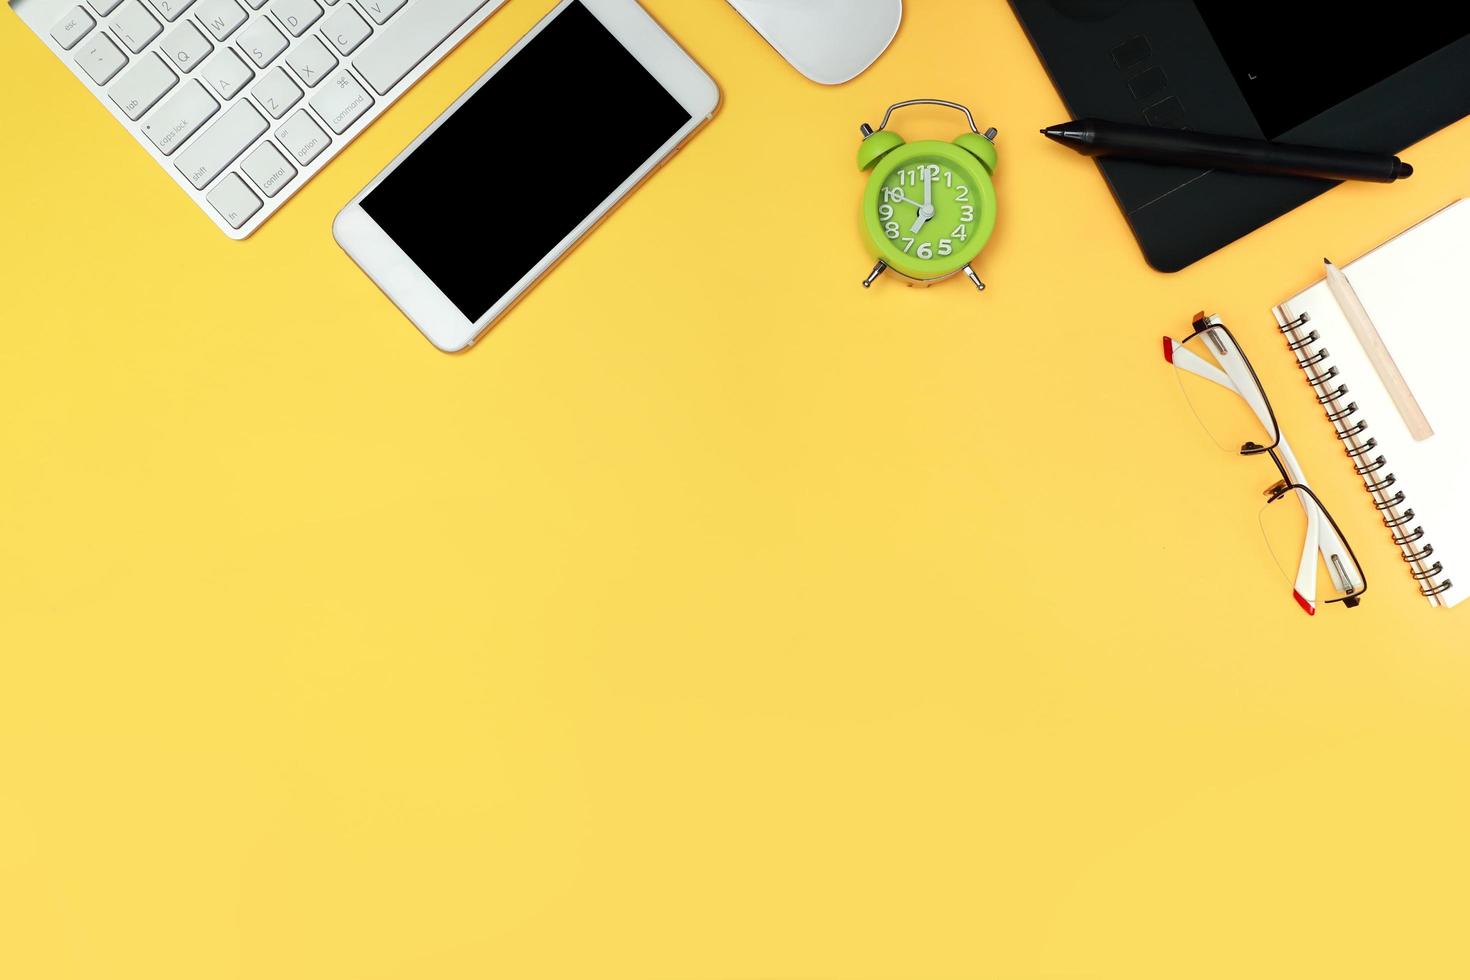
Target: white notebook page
[1416, 289]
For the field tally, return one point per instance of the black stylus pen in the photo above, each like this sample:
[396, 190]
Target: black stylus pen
[1098, 138]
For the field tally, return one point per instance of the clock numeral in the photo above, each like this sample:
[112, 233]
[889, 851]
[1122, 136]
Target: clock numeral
[931, 169]
[949, 178]
[960, 233]
[908, 244]
[892, 195]
[967, 212]
[945, 248]
[891, 229]
[926, 251]
[885, 211]
[962, 193]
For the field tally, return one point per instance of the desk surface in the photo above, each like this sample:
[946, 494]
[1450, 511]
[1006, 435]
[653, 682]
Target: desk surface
[733, 622]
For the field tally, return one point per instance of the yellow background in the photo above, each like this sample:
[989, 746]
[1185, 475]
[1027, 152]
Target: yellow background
[713, 617]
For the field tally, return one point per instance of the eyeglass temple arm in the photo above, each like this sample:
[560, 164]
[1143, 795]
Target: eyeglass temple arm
[1320, 535]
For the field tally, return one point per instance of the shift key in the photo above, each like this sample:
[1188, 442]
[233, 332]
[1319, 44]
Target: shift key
[341, 100]
[175, 120]
[219, 145]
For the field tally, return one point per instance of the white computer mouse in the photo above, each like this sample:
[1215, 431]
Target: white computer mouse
[828, 41]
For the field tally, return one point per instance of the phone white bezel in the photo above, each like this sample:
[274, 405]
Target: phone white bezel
[412, 291]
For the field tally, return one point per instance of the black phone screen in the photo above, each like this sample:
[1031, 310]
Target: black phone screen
[524, 160]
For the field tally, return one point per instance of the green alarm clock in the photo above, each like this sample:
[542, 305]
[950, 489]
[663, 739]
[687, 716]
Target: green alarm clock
[930, 206]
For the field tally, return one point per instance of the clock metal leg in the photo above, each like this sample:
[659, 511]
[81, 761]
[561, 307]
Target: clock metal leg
[878, 270]
[975, 279]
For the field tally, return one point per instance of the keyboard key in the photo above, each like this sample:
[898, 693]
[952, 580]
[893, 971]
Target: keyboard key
[346, 29]
[226, 73]
[311, 60]
[276, 92]
[302, 137]
[234, 200]
[341, 101]
[222, 17]
[219, 145]
[268, 168]
[172, 9]
[262, 42]
[100, 58]
[381, 10]
[142, 85]
[255, 4]
[72, 28]
[398, 48]
[186, 46]
[175, 121]
[297, 15]
[103, 7]
[136, 26]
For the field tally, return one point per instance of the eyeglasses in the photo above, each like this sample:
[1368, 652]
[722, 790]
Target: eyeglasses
[1222, 389]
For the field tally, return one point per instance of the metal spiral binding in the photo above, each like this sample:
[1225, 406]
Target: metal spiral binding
[1421, 554]
[1382, 484]
[1428, 573]
[1391, 503]
[1410, 538]
[1378, 463]
[1313, 360]
[1391, 508]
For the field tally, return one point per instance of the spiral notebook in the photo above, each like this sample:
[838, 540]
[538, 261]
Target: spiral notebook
[1413, 288]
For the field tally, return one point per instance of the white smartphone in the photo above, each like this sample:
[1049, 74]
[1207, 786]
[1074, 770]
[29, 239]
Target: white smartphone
[522, 165]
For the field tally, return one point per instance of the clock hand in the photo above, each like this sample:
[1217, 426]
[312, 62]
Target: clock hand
[926, 210]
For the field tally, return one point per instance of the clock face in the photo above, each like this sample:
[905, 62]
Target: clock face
[928, 209]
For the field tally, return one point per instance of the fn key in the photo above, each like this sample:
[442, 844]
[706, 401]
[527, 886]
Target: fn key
[234, 200]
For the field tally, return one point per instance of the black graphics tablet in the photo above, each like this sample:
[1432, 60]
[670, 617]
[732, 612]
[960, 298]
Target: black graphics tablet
[1322, 74]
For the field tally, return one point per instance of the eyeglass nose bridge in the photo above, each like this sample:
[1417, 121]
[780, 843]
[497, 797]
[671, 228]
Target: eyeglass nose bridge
[1277, 490]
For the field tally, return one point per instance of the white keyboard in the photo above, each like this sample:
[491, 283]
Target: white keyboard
[242, 101]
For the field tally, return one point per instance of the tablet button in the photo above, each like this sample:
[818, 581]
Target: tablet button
[1149, 86]
[1168, 114]
[1134, 51]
